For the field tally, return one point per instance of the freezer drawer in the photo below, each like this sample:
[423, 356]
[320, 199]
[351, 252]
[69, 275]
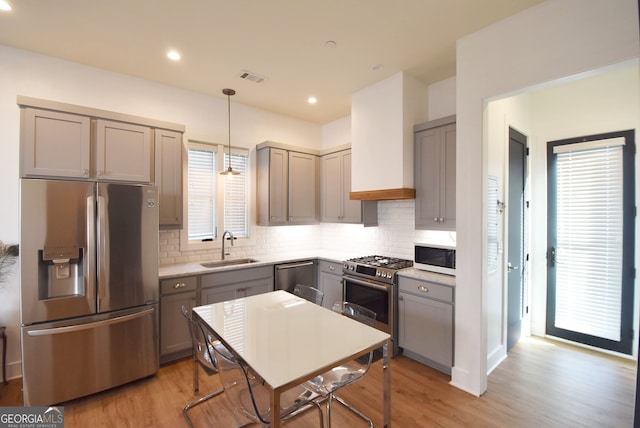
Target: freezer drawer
[67, 360]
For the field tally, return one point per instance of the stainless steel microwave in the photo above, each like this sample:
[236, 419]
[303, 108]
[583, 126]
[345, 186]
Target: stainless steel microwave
[435, 258]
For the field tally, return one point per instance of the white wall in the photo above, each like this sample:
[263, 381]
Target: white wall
[442, 98]
[553, 40]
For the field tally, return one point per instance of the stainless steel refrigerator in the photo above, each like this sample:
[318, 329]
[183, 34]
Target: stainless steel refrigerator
[89, 287]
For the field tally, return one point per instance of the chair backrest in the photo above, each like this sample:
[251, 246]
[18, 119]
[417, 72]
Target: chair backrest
[309, 293]
[357, 312]
[201, 345]
[244, 388]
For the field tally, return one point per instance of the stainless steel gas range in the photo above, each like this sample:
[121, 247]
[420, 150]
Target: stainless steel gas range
[372, 282]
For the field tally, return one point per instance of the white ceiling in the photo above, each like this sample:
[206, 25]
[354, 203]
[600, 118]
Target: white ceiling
[281, 40]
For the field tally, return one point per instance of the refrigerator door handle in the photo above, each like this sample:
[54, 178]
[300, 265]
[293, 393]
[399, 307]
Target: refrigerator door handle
[90, 260]
[102, 249]
[92, 325]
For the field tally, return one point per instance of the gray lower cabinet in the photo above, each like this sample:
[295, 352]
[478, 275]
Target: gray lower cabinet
[330, 282]
[233, 284]
[175, 339]
[425, 315]
[435, 175]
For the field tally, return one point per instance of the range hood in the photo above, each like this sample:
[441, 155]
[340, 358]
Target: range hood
[382, 120]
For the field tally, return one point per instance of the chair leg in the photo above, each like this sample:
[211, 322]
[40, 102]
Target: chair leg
[198, 402]
[329, 400]
[353, 409]
[196, 380]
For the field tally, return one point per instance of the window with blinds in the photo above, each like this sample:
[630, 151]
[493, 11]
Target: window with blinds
[589, 248]
[216, 202]
[235, 196]
[202, 175]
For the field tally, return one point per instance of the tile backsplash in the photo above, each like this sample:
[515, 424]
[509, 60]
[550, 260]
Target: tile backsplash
[394, 236]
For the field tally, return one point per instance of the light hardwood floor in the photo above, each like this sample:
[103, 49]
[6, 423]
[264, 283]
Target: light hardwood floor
[541, 384]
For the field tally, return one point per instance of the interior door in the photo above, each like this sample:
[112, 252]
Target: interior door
[591, 233]
[516, 256]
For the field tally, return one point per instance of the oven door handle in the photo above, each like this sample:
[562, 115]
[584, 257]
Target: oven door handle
[366, 283]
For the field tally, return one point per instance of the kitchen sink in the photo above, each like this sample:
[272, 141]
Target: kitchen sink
[230, 262]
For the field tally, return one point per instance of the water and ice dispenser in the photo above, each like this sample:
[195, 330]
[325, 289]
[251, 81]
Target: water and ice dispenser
[61, 272]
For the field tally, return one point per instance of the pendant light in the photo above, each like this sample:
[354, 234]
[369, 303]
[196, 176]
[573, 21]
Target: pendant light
[229, 171]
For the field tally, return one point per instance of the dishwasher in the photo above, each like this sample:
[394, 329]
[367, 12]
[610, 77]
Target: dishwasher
[287, 275]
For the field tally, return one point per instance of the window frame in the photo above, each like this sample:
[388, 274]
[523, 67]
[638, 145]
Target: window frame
[221, 151]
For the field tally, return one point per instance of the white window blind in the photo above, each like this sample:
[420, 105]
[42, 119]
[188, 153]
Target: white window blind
[202, 193]
[589, 238]
[235, 196]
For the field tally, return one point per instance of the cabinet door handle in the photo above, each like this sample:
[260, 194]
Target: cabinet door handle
[423, 289]
[441, 220]
[332, 267]
[179, 285]
[435, 219]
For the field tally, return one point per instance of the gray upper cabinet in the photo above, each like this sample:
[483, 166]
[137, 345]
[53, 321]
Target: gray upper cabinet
[70, 141]
[303, 188]
[168, 175]
[123, 152]
[55, 144]
[287, 186]
[435, 175]
[336, 206]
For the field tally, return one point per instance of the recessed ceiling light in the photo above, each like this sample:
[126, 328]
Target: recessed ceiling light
[312, 100]
[4, 5]
[330, 43]
[377, 67]
[173, 55]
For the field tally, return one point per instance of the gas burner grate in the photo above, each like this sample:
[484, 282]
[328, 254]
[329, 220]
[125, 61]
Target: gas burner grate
[383, 261]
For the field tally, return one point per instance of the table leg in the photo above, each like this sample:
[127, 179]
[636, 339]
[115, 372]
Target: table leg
[275, 409]
[386, 384]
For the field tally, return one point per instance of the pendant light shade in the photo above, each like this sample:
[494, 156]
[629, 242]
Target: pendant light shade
[229, 170]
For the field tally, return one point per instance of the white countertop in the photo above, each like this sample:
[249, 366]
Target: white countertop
[195, 268]
[424, 275]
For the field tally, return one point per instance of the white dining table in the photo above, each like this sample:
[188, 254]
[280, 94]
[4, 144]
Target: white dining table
[288, 340]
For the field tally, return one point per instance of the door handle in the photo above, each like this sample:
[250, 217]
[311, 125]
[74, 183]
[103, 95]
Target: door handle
[552, 256]
[510, 267]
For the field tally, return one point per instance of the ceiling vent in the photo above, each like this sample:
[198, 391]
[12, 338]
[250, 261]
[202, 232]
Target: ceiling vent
[252, 77]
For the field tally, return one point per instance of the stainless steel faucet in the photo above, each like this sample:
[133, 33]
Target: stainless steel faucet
[231, 237]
